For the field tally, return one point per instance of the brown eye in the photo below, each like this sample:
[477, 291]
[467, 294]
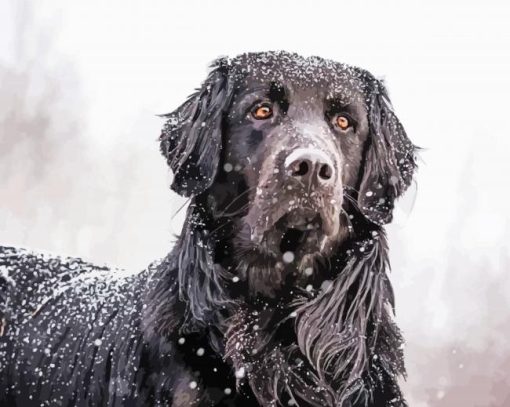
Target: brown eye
[262, 112]
[343, 122]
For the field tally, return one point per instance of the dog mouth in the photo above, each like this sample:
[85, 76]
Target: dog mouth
[299, 232]
[303, 228]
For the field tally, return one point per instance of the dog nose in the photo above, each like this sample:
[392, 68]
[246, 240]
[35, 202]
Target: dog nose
[310, 165]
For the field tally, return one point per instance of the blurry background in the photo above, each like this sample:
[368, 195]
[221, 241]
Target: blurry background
[81, 174]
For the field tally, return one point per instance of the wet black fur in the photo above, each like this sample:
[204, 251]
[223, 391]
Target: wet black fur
[339, 347]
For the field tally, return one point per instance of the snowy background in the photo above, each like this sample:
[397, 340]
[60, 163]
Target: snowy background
[80, 171]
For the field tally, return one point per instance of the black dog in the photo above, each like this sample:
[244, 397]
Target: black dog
[275, 293]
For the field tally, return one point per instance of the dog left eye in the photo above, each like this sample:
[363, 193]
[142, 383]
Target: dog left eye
[262, 112]
[343, 121]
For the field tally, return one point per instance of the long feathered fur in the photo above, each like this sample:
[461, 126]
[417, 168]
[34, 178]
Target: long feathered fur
[346, 342]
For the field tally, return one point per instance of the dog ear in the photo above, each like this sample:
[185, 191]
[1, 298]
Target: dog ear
[389, 161]
[191, 137]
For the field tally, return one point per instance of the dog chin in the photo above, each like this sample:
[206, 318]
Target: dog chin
[285, 254]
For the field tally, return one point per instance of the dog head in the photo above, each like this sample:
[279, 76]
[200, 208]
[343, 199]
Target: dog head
[290, 148]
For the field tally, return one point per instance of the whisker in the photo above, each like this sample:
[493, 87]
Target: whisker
[351, 188]
[350, 227]
[187, 201]
[353, 201]
[236, 199]
[244, 207]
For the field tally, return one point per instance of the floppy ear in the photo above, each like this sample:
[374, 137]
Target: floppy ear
[191, 137]
[389, 160]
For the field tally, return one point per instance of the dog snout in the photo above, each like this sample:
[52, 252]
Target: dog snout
[311, 166]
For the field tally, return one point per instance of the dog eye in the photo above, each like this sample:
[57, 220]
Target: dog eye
[262, 112]
[343, 122]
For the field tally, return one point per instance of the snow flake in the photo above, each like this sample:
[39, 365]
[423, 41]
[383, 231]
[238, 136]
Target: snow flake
[288, 257]
[326, 284]
[240, 373]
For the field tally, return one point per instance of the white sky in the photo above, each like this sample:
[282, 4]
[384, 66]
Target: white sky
[100, 72]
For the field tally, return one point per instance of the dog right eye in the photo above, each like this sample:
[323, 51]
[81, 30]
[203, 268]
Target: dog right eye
[262, 112]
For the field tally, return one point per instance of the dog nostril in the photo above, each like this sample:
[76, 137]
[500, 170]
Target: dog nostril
[300, 168]
[325, 172]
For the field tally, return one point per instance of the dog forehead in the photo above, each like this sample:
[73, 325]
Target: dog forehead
[308, 75]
